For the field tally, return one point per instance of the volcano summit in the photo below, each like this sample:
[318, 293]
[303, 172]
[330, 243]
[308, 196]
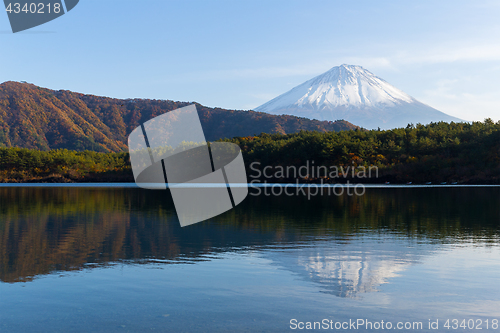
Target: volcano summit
[354, 94]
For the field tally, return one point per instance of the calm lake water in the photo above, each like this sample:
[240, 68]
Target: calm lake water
[116, 260]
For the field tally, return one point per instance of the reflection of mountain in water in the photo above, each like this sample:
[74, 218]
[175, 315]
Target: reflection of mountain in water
[348, 269]
[327, 239]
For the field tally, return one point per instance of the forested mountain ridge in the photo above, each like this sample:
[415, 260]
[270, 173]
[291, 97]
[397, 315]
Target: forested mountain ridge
[39, 118]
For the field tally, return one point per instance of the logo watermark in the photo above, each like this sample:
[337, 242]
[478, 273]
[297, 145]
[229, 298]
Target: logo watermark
[27, 14]
[205, 179]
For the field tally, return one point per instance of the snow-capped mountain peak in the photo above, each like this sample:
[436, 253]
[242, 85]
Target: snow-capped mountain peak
[355, 94]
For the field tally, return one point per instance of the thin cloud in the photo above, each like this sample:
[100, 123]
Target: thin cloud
[449, 55]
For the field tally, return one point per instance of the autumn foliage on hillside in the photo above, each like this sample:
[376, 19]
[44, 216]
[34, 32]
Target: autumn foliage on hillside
[43, 119]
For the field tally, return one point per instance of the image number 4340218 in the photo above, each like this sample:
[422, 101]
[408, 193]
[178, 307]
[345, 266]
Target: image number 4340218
[26, 14]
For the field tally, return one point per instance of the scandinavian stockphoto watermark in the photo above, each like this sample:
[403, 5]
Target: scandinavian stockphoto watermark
[323, 176]
[205, 179]
[27, 14]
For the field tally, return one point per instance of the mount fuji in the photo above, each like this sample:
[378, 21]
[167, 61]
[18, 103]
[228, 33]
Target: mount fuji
[354, 94]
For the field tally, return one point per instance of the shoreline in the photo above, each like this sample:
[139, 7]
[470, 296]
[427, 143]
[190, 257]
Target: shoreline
[250, 185]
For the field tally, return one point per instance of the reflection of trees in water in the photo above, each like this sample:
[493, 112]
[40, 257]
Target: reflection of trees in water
[436, 213]
[44, 230]
[48, 229]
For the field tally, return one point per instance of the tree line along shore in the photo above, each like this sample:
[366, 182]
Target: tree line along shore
[463, 153]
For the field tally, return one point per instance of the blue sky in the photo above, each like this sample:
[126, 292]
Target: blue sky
[238, 54]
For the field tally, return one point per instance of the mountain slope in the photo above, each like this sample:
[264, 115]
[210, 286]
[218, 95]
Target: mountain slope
[356, 95]
[34, 117]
